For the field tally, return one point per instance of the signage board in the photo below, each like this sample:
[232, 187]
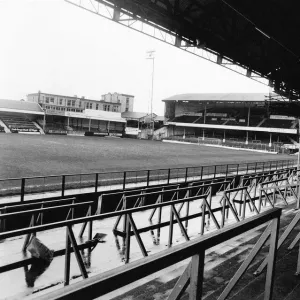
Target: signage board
[216, 115]
[280, 117]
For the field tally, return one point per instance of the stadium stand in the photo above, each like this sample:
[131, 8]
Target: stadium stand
[19, 116]
[185, 119]
[233, 118]
[278, 123]
[18, 123]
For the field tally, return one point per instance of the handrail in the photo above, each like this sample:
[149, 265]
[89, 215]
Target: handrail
[22, 187]
[109, 281]
[179, 189]
[41, 210]
[33, 229]
[143, 170]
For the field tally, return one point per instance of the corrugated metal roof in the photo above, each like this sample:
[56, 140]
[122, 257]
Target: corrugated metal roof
[15, 105]
[104, 115]
[139, 115]
[218, 97]
[133, 115]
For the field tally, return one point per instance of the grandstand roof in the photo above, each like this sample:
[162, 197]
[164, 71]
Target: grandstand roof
[20, 107]
[103, 115]
[237, 97]
[258, 35]
[133, 115]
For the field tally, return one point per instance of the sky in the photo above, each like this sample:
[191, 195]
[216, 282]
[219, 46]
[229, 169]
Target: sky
[56, 47]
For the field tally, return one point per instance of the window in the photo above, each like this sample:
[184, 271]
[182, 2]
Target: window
[108, 107]
[104, 107]
[87, 105]
[79, 103]
[127, 100]
[60, 101]
[47, 99]
[52, 100]
[91, 105]
[126, 109]
[97, 106]
[69, 103]
[115, 108]
[73, 102]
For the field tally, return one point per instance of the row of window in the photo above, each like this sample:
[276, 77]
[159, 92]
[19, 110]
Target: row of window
[63, 108]
[66, 102]
[88, 105]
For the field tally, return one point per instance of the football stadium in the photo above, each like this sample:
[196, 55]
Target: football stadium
[99, 201]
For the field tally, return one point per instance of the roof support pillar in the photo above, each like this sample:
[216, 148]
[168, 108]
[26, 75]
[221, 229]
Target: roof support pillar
[178, 41]
[116, 14]
[248, 74]
[219, 59]
[249, 112]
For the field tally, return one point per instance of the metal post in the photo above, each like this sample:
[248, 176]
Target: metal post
[22, 189]
[67, 259]
[196, 279]
[186, 174]
[63, 185]
[169, 172]
[96, 182]
[148, 177]
[124, 180]
[271, 260]
[298, 163]
[215, 171]
[127, 240]
[44, 124]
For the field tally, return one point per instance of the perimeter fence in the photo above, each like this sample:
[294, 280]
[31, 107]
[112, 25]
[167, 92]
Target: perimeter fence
[70, 184]
[275, 148]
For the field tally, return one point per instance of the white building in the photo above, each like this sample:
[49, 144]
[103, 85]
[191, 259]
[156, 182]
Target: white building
[125, 100]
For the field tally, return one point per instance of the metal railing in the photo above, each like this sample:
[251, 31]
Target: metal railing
[204, 212]
[70, 184]
[275, 147]
[193, 275]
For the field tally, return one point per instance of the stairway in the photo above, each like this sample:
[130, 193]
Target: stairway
[260, 123]
[6, 129]
[39, 127]
[293, 141]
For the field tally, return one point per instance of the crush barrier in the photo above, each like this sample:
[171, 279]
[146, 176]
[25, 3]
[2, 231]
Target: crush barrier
[201, 194]
[193, 276]
[69, 184]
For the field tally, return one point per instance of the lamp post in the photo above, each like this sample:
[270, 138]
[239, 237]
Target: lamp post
[150, 55]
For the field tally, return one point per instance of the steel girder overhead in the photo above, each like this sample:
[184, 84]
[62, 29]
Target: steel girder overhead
[252, 37]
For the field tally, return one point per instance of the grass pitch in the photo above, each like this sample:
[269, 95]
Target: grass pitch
[32, 155]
